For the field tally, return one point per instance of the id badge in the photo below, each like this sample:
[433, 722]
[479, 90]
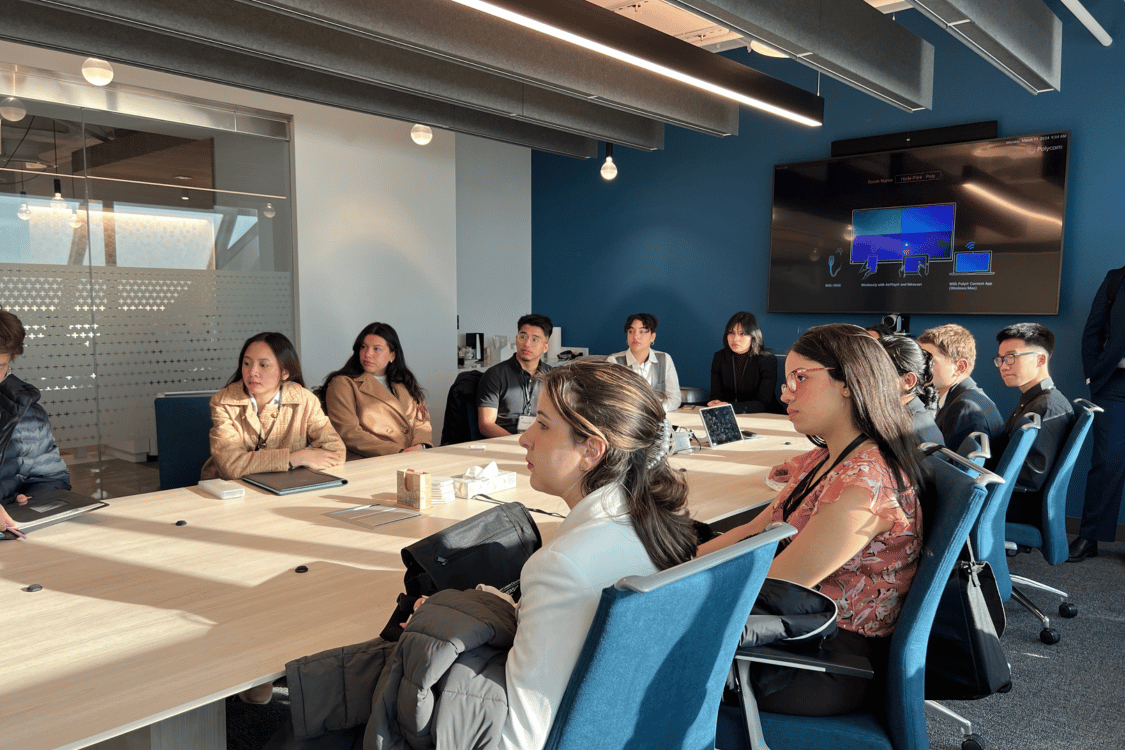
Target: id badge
[526, 420]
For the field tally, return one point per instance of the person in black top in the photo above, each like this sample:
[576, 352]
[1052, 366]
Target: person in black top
[744, 372]
[1024, 353]
[916, 371]
[1103, 361]
[508, 393]
[963, 407]
[29, 459]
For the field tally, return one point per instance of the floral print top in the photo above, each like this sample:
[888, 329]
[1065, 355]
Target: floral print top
[869, 588]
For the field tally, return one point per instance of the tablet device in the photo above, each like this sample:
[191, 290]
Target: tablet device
[50, 507]
[721, 425]
[301, 479]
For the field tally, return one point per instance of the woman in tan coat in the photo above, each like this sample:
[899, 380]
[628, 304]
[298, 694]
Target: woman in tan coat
[374, 400]
[265, 419]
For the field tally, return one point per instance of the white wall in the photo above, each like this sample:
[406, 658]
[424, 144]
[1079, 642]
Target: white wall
[376, 222]
[493, 236]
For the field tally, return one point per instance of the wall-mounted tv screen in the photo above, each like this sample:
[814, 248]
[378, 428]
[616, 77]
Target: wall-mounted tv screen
[965, 228]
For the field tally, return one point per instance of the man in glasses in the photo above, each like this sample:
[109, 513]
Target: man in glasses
[507, 395]
[962, 406]
[1024, 353]
[655, 367]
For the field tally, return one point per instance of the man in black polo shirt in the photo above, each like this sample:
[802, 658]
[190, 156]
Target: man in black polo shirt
[508, 395]
[1025, 349]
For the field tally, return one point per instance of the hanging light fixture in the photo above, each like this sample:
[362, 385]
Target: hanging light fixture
[421, 134]
[97, 72]
[57, 203]
[609, 169]
[12, 109]
[765, 50]
[75, 220]
[269, 211]
[24, 212]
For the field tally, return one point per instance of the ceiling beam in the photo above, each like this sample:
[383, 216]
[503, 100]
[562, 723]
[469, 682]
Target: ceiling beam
[57, 29]
[1022, 38]
[450, 30]
[846, 39]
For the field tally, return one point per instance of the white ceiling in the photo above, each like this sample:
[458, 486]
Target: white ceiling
[675, 21]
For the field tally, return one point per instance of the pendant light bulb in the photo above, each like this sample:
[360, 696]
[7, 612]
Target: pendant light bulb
[24, 212]
[12, 109]
[421, 134]
[57, 203]
[269, 211]
[97, 72]
[609, 169]
[75, 220]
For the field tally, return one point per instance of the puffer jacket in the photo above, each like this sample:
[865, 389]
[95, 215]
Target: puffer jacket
[440, 686]
[30, 459]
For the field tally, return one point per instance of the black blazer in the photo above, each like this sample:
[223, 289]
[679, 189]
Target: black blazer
[757, 391]
[969, 409]
[1099, 361]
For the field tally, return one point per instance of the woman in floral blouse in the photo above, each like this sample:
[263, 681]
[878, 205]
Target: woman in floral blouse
[853, 502]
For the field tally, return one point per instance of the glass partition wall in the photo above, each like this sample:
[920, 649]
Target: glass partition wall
[139, 253]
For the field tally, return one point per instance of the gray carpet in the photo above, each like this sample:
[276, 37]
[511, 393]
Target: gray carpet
[1068, 696]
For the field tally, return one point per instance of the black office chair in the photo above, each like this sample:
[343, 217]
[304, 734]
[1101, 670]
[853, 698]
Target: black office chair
[460, 424]
[183, 423]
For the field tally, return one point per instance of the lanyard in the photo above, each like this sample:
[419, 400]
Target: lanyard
[528, 392]
[807, 485]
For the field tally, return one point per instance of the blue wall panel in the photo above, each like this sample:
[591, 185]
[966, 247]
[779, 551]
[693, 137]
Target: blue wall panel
[684, 233]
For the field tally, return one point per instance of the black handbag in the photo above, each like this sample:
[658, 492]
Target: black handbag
[964, 659]
[490, 547]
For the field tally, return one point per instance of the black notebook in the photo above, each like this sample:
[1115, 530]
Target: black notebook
[50, 507]
[301, 479]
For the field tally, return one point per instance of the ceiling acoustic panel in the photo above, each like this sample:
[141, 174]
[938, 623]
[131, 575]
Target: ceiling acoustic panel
[1023, 38]
[846, 39]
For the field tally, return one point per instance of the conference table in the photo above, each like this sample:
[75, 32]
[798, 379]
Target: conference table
[143, 625]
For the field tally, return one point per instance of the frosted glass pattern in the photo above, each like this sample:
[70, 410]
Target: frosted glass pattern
[132, 333]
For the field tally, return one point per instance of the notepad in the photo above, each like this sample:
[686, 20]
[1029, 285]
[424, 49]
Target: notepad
[51, 507]
[301, 479]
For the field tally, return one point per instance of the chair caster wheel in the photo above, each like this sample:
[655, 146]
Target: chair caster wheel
[1050, 636]
[972, 742]
[1068, 609]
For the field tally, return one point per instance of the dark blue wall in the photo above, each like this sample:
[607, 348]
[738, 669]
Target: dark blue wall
[684, 233]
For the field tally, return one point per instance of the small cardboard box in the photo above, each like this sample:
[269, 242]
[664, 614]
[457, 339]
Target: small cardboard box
[467, 487]
[414, 489]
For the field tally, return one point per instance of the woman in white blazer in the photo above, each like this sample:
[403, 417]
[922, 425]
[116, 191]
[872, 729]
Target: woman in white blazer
[600, 442]
[374, 400]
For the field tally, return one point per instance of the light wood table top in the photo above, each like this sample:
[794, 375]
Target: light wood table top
[140, 619]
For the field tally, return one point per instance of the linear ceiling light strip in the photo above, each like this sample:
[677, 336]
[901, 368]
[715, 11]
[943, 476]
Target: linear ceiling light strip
[629, 58]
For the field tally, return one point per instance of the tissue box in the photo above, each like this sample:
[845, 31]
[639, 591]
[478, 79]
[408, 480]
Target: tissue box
[414, 490]
[468, 486]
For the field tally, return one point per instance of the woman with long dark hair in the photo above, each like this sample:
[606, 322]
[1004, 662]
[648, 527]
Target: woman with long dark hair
[915, 370]
[854, 502]
[265, 419]
[600, 442]
[744, 372]
[374, 400]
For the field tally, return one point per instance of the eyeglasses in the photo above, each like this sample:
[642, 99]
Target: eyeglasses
[522, 337]
[1010, 359]
[791, 381]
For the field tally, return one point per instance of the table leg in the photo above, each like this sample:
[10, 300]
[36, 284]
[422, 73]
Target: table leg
[203, 728]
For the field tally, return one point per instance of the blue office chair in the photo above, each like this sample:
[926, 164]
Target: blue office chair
[1049, 537]
[655, 661]
[987, 535]
[183, 421]
[960, 501]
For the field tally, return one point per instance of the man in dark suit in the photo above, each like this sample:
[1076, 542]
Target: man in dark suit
[1103, 361]
[1024, 354]
[962, 406]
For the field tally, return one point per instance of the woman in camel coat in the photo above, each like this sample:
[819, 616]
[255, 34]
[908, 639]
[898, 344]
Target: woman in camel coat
[265, 419]
[374, 400]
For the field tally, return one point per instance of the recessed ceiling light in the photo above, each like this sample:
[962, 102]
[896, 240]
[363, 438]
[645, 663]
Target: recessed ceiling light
[182, 178]
[34, 165]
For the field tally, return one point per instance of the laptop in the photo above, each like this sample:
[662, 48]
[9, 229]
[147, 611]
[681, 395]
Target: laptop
[301, 479]
[721, 425]
[50, 507]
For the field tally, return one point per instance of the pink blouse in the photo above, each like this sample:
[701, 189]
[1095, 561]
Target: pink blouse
[869, 588]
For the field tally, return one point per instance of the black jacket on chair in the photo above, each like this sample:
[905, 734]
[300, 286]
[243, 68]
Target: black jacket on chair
[30, 459]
